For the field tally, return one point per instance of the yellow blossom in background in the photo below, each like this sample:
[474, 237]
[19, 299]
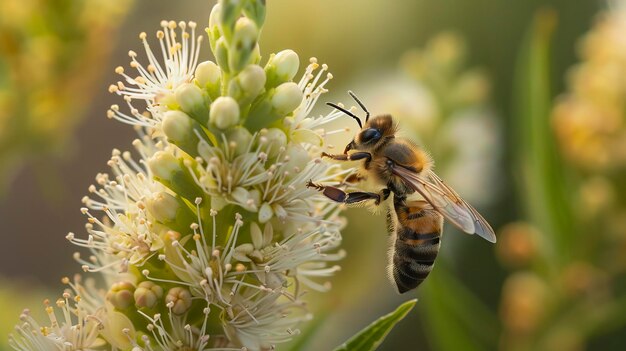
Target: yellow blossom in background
[524, 295]
[589, 118]
[51, 54]
[590, 124]
[518, 244]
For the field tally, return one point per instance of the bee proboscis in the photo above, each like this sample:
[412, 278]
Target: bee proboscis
[402, 170]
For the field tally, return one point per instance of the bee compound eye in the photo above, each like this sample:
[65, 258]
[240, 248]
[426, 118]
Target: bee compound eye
[370, 135]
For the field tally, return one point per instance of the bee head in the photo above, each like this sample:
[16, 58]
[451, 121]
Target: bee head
[375, 130]
[375, 133]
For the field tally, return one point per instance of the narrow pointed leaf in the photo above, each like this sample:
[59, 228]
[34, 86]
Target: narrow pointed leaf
[371, 337]
[543, 183]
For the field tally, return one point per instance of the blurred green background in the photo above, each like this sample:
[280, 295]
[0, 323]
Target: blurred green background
[521, 108]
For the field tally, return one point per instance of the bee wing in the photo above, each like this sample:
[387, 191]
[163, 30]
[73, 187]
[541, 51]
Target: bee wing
[447, 202]
[481, 227]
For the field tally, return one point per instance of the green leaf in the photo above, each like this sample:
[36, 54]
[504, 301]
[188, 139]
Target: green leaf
[543, 183]
[371, 337]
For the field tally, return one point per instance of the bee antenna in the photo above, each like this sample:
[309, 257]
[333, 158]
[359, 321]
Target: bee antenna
[346, 112]
[367, 113]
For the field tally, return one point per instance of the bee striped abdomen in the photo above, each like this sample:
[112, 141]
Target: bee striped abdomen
[417, 242]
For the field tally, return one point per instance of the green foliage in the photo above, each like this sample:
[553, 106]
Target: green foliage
[542, 182]
[373, 335]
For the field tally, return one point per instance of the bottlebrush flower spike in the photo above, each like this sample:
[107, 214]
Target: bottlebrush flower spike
[208, 238]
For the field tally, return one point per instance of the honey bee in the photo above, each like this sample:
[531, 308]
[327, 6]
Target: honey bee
[404, 170]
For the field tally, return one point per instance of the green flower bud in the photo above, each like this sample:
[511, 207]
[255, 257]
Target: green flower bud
[121, 295]
[147, 294]
[189, 97]
[287, 97]
[229, 12]
[208, 75]
[213, 30]
[287, 63]
[256, 11]
[177, 126]
[224, 112]
[174, 174]
[221, 54]
[281, 68]
[163, 206]
[243, 44]
[178, 300]
[252, 81]
[246, 32]
[179, 130]
[170, 210]
[215, 16]
[163, 165]
[247, 85]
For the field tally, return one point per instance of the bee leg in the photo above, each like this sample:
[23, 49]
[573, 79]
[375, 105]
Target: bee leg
[330, 192]
[359, 196]
[342, 157]
[351, 157]
[339, 195]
